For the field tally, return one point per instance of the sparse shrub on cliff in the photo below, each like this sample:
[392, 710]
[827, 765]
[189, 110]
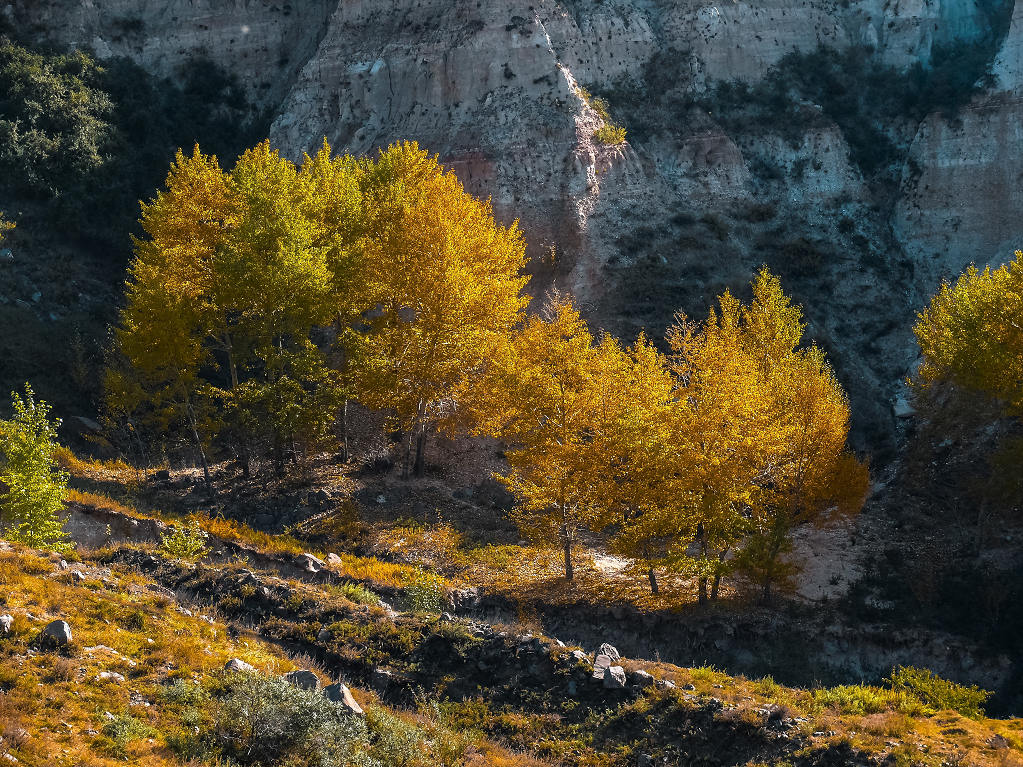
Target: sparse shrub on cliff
[610, 134]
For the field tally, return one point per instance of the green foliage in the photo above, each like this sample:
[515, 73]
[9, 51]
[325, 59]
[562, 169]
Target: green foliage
[861, 699]
[34, 490]
[122, 730]
[940, 694]
[609, 133]
[187, 541]
[265, 721]
[396, 742]
[356, 592]
[425, 592]
[866, 98]
[91, 139]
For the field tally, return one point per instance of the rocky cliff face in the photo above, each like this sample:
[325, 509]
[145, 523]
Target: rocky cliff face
[689, 205]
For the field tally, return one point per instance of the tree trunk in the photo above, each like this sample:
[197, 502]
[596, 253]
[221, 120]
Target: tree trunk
[567, 540]
[654, 588]
[420, 467]
[714, 586]
[701, 590]
[198, 446]
[344, 431]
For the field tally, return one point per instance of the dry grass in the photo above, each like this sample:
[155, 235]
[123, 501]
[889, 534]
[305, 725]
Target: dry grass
[55, 710]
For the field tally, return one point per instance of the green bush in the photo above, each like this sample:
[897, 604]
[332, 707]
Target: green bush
[32, 488]
[121, 731]
[187, 541]
[356, 592]
[938, 693]
[266, 721]
[861, 699]
[425, 592]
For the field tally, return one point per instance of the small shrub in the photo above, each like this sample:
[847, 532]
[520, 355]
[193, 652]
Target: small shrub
[121, 731]
[717, 225]
[266, 721]
[186, 541]
[861, 699]
[939, 693]
[356, 592]
[609, 134]
[396, 742]
[425, 592]
[32, 488]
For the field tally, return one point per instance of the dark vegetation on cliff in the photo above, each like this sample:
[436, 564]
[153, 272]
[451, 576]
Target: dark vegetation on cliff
[80, 144]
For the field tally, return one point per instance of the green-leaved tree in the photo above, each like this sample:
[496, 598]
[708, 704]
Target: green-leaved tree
[32, 488]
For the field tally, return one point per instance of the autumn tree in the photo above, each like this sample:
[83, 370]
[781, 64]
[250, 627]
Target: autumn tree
[32, 488]
[539, 393]
[971, 334]
[635, 453]
[764, 423]
[443, 285]
[221, 298]
[5, 226]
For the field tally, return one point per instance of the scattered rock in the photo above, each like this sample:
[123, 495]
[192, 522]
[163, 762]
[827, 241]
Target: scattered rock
[304, 679]
[109, 676]
[580, 656]
[56, 634]
[238, 665]
[324, 635]
[339, 693]
[903, 408]
[600, 664]
[641, 678]
[610, 651]
[381, 679]
[614, 678]
[310, 563]
[6, 623]
[333, 560]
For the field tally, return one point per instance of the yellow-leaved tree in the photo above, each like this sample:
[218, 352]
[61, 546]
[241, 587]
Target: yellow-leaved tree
[221, 298]
[764, 425]
[540, 393]
[443, 287]
[635, 451]
[971, 334]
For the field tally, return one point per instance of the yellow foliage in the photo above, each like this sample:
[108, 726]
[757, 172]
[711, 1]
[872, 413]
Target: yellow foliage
[971, 334]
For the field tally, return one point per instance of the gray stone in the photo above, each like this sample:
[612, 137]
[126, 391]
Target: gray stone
[238, 665]
[309, 563]
[333, 560]
[641, 678]
[6, 623]
[56, 634]
[601, 664]
[109, 676]
[614, 678]
[580, 656]
[610, 651]
[303, 679]
[381, 679]
[340, 693]
[324, 635]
